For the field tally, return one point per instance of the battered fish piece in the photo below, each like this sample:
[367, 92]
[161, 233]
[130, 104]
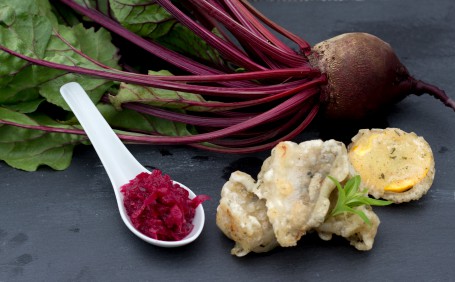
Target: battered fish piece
[352, 227]
[242, 216]
[393, 164]
[293, 182]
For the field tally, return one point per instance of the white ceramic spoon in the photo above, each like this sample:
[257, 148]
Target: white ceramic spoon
[120, 164]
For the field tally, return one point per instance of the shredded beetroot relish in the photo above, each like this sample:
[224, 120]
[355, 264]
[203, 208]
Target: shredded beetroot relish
[159, 208]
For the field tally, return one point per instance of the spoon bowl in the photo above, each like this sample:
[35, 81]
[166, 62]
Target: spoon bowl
[120, 164]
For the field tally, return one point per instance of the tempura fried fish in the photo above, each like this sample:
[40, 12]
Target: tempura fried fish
[242, 216]
[294, 184]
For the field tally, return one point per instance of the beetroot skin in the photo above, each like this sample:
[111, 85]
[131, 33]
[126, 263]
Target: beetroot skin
[158, 207]
[364, 75]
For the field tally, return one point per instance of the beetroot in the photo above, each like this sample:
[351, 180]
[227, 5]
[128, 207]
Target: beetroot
[158, 207]
[260, 91]
[364, 75]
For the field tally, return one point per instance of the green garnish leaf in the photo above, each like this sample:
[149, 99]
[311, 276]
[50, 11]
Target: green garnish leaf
[350, 197]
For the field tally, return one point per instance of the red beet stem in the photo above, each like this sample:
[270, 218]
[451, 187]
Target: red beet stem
[159, 81]
[305, 47]
[270, 115]
[170, 56]
[238, 12]
[287, 123]
[420, 87]
[225, 48]
[184, 118]
[267, 146]
[243, 34]
[222, 106]
[253, 24]
[294, 101]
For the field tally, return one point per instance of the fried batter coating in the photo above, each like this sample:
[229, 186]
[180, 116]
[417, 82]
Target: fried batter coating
[352, 227]
[393, 164]
[293, 182]
[242, 216]
[291, 197]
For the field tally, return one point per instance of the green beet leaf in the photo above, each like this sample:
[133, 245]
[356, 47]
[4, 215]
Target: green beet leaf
[100, 5]
[29, 106]
[143, 17]
[184, 41]
[27, 149]
[148, 19]
[94, 44]
[30, 28]
[57, 43]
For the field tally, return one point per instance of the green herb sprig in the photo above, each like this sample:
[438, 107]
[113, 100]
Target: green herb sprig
[350, 197]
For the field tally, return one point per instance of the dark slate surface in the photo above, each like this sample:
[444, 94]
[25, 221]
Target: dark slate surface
[64, 226]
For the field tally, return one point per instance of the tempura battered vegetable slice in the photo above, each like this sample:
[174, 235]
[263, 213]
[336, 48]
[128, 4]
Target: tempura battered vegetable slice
[242, 216]
[293, 182]
[393, 164]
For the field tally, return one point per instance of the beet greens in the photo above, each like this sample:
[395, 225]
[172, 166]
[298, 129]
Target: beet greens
[236, 86]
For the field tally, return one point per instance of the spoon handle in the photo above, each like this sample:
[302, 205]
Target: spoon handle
[120, 164]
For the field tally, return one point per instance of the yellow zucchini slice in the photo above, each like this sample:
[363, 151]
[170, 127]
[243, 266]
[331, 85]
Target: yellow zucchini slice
[393, 164]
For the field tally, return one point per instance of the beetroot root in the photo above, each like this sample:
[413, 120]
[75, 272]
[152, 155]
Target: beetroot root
[364, 75]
